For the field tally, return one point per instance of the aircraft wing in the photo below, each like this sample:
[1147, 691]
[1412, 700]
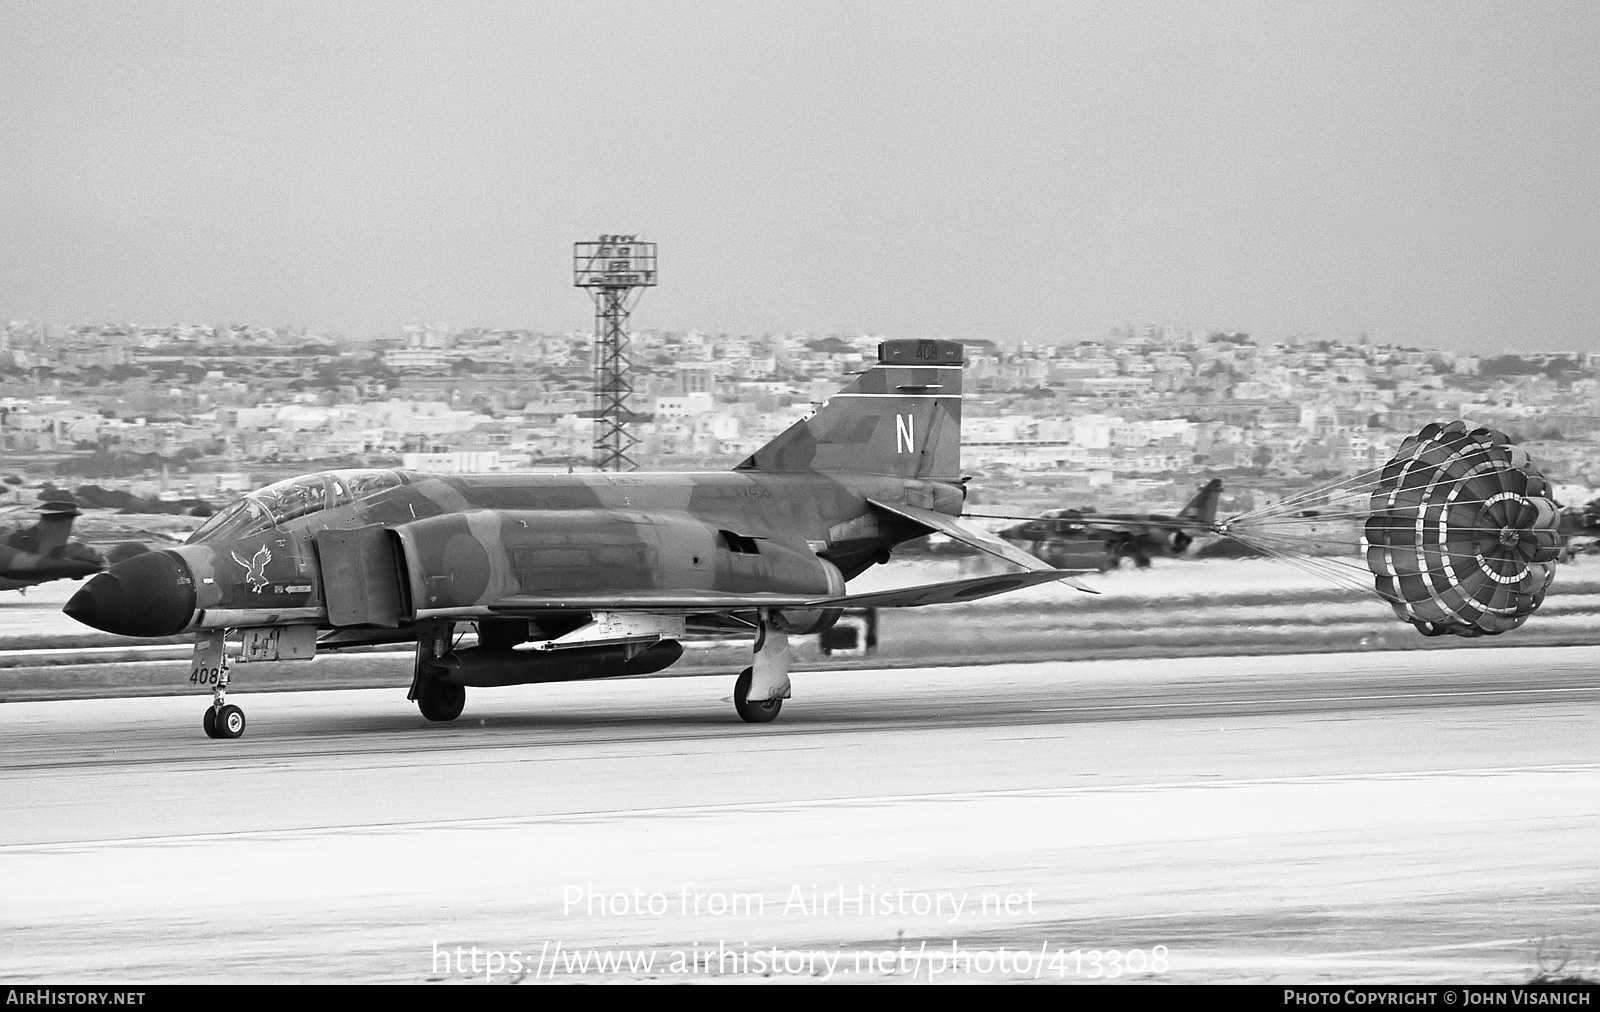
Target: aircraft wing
[707, 601]
[981, 540]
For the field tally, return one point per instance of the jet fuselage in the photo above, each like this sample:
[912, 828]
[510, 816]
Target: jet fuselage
[316, 549]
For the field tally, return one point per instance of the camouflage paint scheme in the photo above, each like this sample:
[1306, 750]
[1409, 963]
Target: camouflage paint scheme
[794, 519]
[469, 541]
[604, 570]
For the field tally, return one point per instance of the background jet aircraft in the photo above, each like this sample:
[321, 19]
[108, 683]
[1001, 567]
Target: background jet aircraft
[1580, 529]
[578, 575]
[1080, 539]
[42, 551]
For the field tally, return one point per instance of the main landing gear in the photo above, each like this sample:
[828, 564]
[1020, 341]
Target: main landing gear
[759, 712]
[760, 690]
[438, 699]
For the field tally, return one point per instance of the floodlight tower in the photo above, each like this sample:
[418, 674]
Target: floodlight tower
[613, 269]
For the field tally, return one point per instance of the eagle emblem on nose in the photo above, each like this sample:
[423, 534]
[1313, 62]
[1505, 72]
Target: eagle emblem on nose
[256, 568]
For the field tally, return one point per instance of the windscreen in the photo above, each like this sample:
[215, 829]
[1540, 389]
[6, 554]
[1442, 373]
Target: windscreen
[239, 520]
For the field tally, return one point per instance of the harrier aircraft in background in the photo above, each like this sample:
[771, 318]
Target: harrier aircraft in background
[43, 551]
[1085, 539]
[1580, 529]
[579, 575]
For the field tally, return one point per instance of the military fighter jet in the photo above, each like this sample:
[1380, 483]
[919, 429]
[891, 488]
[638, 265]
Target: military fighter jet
[44, 551]
[578, 575]
[1071, 538]
[1580, 529]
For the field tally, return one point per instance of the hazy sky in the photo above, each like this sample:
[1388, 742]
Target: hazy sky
[1427, 172]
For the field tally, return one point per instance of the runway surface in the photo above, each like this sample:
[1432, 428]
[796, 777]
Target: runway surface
[1341, 817]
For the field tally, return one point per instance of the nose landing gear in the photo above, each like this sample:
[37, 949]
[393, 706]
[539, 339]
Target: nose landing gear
[210, 667]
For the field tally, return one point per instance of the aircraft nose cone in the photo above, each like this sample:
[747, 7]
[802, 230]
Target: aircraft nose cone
[148, 595]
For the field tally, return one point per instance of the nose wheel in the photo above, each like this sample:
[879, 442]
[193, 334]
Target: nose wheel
[223, 721]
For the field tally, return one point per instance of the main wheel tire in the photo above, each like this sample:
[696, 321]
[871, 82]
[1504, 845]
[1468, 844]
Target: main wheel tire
[753, 713]
[439, 700]
[230, 722]
[209, 722]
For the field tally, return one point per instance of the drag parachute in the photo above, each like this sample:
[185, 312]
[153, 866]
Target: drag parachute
[1463, 536]
[1458, 531]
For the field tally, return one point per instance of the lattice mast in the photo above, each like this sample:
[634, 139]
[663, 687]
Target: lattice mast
[614, 269]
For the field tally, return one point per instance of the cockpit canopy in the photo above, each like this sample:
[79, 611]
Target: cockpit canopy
[291, 498]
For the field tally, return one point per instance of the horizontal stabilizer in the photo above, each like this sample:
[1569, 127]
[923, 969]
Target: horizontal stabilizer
[957, 590]
[981, 540]
[710, 600]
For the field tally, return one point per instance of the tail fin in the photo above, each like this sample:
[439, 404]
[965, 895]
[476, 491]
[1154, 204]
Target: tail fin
[1202, 509]
[55, 525]
[902, 417]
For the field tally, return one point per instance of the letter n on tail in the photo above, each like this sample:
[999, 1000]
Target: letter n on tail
[904, 434]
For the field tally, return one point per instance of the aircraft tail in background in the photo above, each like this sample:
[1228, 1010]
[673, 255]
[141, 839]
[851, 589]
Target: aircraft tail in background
[54, 528]
[1202, 509]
